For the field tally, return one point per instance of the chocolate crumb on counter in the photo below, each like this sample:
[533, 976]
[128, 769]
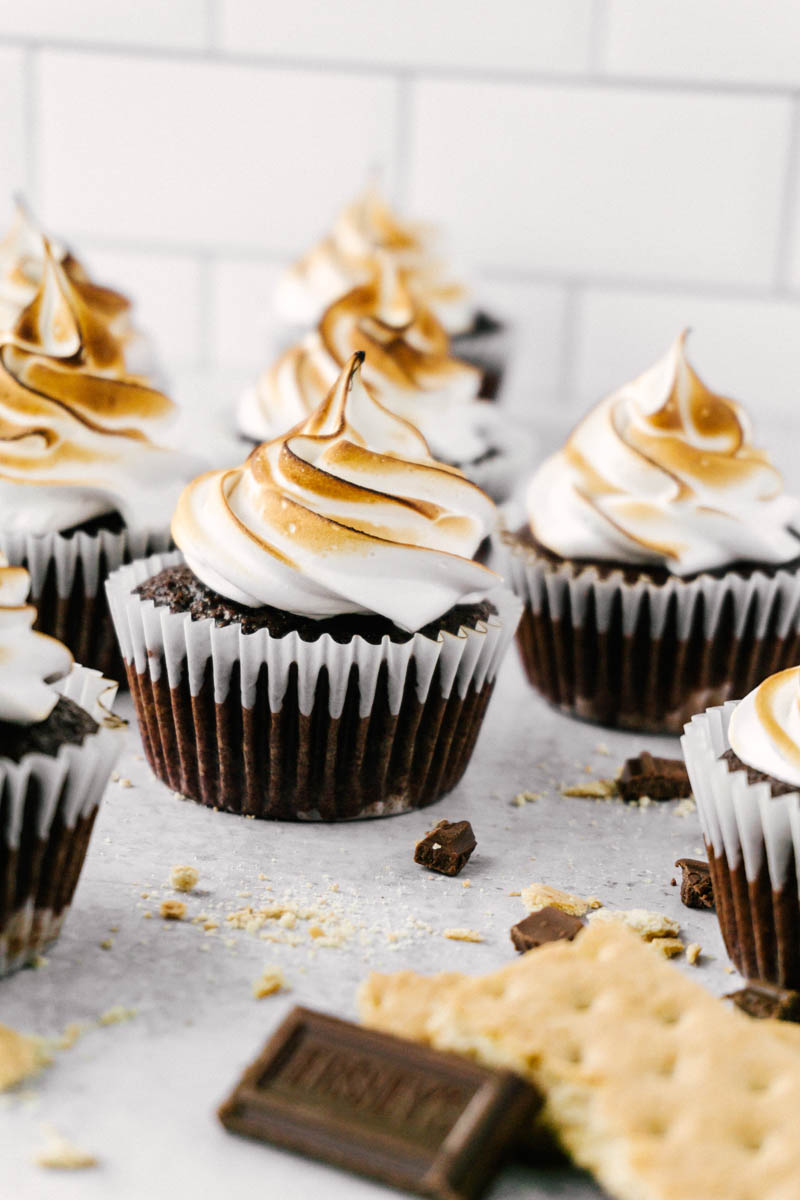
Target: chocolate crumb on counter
[545, 925]
[446, 848]
[658, 778]
[697, 890]
[767, 1000]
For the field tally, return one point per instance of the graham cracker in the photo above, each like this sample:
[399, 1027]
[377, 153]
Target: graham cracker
[650, 1082]
[648, 925]
[21, 1057]
[541, 895]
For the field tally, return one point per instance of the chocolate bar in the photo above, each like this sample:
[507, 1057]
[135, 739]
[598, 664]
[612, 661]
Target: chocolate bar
[697, 890]
[658, 778]
[762, 1000]
[447, 847]
[404, 1114]
[547, 924]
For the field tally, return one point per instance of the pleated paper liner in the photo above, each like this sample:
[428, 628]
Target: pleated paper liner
[753, 844]
[48, 804]
[67, 578]
[646, 655]
[283, 728]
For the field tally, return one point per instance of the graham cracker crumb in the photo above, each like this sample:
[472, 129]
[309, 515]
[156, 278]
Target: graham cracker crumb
[147, 915]
[116, 1015]
[595, 789]
[21, 1057]
[668, 946]
[173, 910]
[648, 925]
[466, 883]
[693, 952]
[288, 920]
[61, 1155]
[107, 944]
[270, 981]
[540, 895]
[601, 748]
[685, 807]
[462, 935]
[523, 798]
[316, 931]
[184, 879]
[125, 782]
[70, 1036]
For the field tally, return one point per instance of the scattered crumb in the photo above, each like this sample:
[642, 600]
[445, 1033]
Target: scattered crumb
[124, 782]
[288, 920]
[596, 789]
[183, 879]
[523, 798]
[116, 1015]
[70, 1036]
[39, 961]
[648, 925]
[668, 946]
[515, 893]
[730, 970]
[539, 895]
[693, 952]
[601, 748]
[685, 807]
[466, 883]
[21, 1057]
[107, 944]
[173, 910]
[210, 926]
[60, 1155]
[462, 935]
[145, 895]
[147, 915]
[269, 982]
[316, 931]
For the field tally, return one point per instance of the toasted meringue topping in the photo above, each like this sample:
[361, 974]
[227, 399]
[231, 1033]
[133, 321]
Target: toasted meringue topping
[663, 471]
[408, 367]
[764, 730]
[74, 424]
[28, 660]
[364, 230]
[347, 513]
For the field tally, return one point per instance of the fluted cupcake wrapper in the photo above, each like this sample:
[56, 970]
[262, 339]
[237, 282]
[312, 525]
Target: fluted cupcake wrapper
[48, 804]
[67, 577]
[753, 843]
[644, 655]
[281, 727]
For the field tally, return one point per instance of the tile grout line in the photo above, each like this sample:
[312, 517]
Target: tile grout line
[598, 38]
[786, 218]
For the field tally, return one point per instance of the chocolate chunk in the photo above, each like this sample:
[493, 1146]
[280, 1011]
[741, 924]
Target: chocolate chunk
[767, 1000]
[546, 925]
[658, 778]
[446, 847]
[697, 890]
[430, 1123]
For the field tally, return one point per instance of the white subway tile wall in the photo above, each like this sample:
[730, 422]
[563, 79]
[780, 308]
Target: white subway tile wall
[609, 170]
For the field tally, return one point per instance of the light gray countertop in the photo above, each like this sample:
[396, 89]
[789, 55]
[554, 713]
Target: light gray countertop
[141, 1095]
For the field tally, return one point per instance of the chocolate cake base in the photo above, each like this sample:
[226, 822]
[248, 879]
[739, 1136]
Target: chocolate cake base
[469, 348]
[67, 724]
[37, 879]
[637, 679]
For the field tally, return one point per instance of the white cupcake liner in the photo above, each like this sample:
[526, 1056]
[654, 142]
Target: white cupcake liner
[38, 551]
[156, 642]
[66, 787]
[751, 614]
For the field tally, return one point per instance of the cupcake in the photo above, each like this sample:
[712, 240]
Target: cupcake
[82, 485]
[659, 567]
[743, 760]
[58, 743]
[366, 230]
[22, 262]
[409, 367]
[324, 646]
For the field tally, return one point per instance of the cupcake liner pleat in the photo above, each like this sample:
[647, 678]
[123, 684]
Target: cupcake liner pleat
[67, 577]
[643, 655]
[48, 805]
[753, 843]
[283, 728]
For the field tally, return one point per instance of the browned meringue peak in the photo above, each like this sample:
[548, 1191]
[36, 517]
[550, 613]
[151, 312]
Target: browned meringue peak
[369, 224]
[62, 352]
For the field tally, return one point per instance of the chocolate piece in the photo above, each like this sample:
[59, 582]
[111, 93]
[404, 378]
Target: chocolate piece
[697, 890]
[778, 787]
[67, 725]
[432, 1123]
[446, 848]
[767, 1000]
[546, 925]
[658, 778]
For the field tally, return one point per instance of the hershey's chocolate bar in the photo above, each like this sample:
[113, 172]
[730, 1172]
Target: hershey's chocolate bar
[545, 925]
[658, 778]
[432, 1123]
[446, 848]
[762, 1000]
[697, 890]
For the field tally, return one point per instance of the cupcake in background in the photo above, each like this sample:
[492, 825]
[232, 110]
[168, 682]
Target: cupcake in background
[83, 487]
[410, 368]
[659, 567]
[743, 760]
[58, 743]
[325, 646]
[366, 230]
[22, 264]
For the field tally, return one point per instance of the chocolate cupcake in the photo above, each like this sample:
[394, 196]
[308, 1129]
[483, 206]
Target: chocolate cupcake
[325, 646]
[743, 760]
[409, 367]
[660, 567]
[58, 743]
[363, 233]
[83, 487]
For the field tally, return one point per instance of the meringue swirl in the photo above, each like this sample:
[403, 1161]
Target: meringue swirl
[74, 424]
[347, 257]
[347, 513]
[408, 367]
[664, 471]
[764, 730]
[28, 660]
